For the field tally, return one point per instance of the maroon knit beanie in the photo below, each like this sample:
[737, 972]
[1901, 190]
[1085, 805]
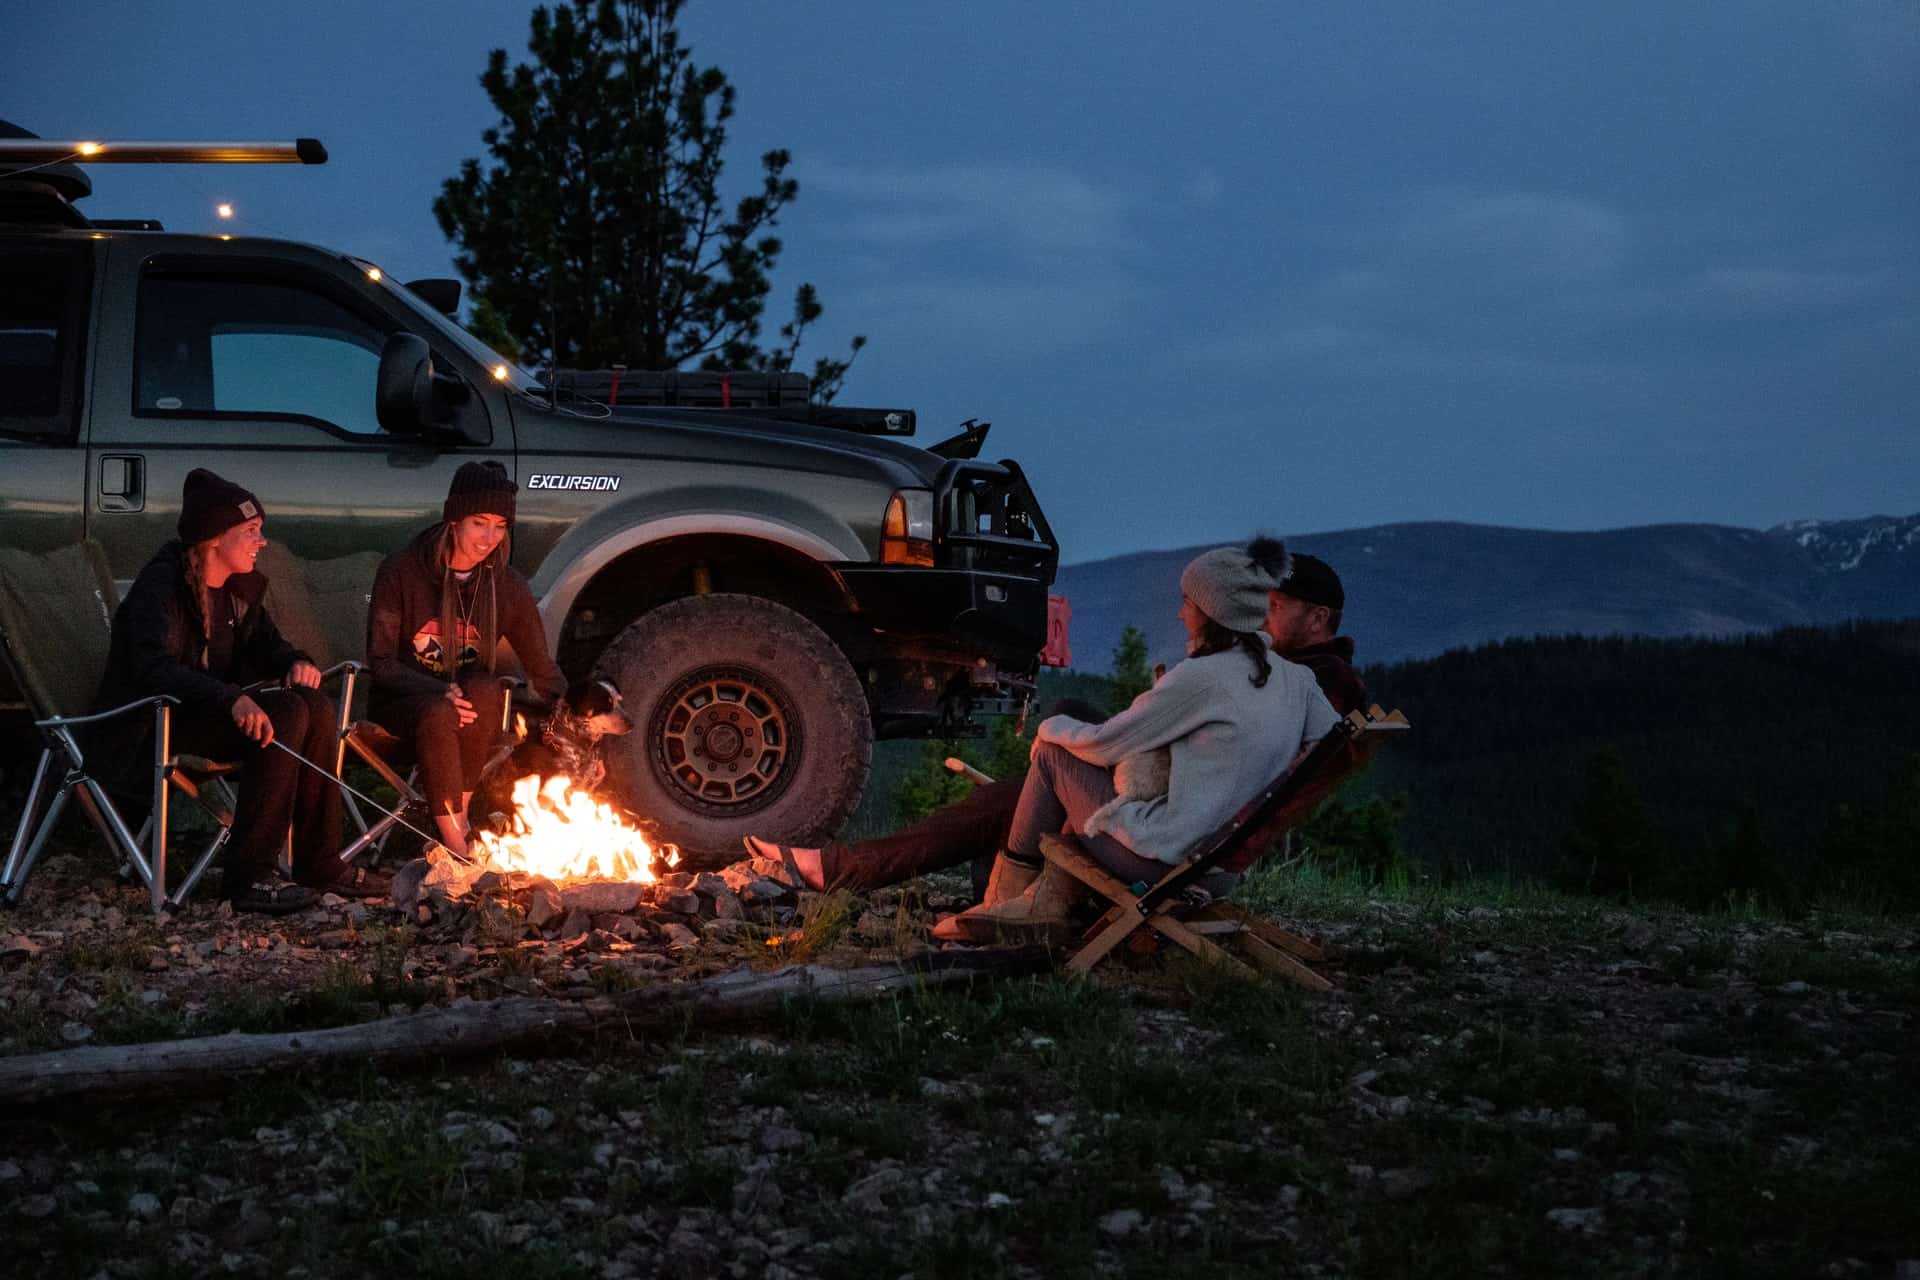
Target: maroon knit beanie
[209, 506]
[480, 488]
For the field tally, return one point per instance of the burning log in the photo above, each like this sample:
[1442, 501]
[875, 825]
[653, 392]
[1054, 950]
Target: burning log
[170, 1067]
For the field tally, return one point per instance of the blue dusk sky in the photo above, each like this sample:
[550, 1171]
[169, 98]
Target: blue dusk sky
[1208, 266]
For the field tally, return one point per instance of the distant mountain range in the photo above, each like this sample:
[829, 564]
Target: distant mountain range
[1414, 590]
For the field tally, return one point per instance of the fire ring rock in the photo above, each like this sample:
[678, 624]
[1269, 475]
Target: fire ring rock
[600, 897]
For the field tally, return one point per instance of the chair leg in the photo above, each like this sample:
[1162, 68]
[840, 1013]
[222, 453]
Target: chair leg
[24, 830]
[47, 824]
[1202, 947]
[1124, 921]
[162, 774]
[1271, 957]
[188, 885]
[1268, 931]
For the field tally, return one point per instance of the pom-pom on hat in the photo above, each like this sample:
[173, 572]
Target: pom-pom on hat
[480, 488]
[209, 506]
[1229, 586]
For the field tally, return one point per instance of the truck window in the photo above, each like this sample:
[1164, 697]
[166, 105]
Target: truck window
[256, 348]
[41, 294]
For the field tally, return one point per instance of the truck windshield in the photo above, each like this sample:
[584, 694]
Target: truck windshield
[498, 365]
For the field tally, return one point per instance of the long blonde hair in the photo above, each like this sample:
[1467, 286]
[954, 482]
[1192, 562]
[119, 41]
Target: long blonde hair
[197, 553]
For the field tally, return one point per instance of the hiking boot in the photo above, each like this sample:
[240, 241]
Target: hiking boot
[360, 882]
[274, 898]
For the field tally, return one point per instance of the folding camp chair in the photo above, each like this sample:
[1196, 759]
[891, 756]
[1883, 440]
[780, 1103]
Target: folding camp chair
[56, 618]
[1177, 905]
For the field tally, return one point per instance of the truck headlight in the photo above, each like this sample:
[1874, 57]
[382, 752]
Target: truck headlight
[906, 533]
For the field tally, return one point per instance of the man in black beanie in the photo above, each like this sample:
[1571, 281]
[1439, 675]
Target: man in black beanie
[194, 626]
[1303, 618]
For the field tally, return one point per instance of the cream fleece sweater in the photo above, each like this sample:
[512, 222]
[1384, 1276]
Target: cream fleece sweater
[1228, 738]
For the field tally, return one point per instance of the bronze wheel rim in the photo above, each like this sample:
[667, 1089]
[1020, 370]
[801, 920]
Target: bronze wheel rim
[726, 740]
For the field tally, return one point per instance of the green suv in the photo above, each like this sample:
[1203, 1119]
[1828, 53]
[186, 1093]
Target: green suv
[772, 587]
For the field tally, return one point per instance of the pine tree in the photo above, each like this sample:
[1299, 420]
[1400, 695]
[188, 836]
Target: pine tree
[1131, 676]
[1612, 849]
[597, 232]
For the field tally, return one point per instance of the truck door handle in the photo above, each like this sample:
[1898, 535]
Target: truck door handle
[123, 482]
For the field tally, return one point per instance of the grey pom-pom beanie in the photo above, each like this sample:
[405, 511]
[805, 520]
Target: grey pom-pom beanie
[1229, 587]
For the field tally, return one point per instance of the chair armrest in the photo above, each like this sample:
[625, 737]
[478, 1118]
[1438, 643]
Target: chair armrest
[55, 722]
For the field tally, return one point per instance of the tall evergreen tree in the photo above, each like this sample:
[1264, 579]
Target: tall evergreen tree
[597, 233]
[1131, 676]
[1612, 848]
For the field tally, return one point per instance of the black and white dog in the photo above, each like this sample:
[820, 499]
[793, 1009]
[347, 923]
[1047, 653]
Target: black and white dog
[570, 740]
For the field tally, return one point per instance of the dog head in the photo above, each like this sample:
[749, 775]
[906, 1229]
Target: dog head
[593, 709]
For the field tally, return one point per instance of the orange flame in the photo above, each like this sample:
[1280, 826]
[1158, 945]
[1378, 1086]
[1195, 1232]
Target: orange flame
[565, 834]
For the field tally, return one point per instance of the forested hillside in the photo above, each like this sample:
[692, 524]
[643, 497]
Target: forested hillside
[1792, 722]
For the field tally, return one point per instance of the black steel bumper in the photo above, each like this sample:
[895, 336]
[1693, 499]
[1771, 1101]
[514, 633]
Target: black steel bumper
[998, 616]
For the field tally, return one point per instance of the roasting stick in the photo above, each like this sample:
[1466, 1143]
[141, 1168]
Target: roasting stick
[344, 785]
[957, 765]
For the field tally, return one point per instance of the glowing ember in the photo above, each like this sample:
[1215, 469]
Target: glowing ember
[565, 834]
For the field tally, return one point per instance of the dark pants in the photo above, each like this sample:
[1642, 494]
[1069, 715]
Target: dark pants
[450, 756]
[1060, 794]
[967, 830]
[277, 792]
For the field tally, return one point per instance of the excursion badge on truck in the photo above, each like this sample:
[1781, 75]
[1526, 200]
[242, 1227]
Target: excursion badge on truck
[553, 480]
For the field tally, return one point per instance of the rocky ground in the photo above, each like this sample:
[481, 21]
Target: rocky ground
[1496, 1087]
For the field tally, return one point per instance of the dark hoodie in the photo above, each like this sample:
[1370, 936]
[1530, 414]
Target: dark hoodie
[1332, 665]
[418, 639]
[160, 646]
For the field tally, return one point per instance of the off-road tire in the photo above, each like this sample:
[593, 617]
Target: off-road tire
[678, 666]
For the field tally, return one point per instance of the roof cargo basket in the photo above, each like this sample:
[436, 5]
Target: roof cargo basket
[688, 389]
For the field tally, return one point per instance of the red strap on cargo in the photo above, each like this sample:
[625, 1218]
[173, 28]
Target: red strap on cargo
[613, 393]
[726, 391]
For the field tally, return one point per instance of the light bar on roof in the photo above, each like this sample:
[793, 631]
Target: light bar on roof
[49, 150]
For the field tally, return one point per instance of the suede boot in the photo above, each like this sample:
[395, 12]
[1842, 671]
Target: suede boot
[1037, 915]
[1008, 881]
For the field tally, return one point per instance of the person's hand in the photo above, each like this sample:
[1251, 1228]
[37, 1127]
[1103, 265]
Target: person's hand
[457, 696]
[253, 721]
[304, 674]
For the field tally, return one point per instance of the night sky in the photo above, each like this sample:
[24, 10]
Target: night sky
[1303, 267]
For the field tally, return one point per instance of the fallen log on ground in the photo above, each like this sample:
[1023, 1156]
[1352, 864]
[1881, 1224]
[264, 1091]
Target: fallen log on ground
[171, 1067]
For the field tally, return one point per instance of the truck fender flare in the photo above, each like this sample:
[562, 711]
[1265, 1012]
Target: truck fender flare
[557, 600]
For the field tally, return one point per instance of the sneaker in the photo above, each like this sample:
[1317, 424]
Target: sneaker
[275, 898]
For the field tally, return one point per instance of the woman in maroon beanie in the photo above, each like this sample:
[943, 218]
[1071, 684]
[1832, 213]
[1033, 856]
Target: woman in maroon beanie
[441, 606]
[193, 626]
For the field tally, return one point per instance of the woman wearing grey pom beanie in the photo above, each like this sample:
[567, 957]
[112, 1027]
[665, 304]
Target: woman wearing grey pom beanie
[1231, 717]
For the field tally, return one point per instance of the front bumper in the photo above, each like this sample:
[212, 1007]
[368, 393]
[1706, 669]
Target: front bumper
[998, 616]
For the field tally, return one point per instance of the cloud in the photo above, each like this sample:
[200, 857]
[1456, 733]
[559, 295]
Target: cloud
[1006, 206]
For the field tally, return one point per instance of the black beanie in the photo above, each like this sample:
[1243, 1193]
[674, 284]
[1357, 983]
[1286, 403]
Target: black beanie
[1314, 581]
[480, 488]
[209, 506]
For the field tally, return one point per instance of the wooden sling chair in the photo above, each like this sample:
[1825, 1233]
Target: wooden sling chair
[1177, 906]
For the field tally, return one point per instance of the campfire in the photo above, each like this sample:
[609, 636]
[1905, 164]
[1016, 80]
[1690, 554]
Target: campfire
[561, 833]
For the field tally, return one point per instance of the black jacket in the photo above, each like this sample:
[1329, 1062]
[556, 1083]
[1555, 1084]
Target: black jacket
[158, 646]
[415, 632]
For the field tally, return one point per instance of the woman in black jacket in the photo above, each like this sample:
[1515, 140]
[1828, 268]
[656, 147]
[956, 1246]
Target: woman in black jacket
[441, 606]
[193, 626]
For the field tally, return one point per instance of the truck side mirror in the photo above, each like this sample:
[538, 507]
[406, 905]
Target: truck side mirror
[403, 397]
